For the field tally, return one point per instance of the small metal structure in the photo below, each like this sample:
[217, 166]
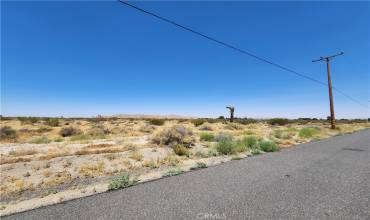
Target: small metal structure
[327, 60]
[232, 109]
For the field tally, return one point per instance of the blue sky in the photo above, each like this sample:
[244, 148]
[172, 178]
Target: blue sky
[89, 58]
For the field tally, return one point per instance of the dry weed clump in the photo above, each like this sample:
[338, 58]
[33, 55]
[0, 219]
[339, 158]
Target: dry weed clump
[53, 154]
[8, 160]
[22, 152]
[172, 136]
[136, 155]
[69, 131]
[8, 133]
[206, 127]
[92, 170]
[59, 178]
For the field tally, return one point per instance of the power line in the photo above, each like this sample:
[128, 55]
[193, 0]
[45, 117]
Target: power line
[236, 49]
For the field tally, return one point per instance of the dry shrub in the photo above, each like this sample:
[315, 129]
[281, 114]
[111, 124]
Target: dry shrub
[69, 131]
[59, 178]
[23, 152]
[53, 154]
[206, 127]
[136, 155]
[177, 134]
[86, 151]
[9, 160]
[92, 170]
[8, 133]
[99, 131]
[94, 146]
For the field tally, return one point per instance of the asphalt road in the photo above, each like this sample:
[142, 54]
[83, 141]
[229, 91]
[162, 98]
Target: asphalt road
[328, 179]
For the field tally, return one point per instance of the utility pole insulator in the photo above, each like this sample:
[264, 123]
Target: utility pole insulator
[331, 99]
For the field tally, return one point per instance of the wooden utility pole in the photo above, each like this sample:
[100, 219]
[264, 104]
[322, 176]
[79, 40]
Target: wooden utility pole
[232, 109]
[327, 60]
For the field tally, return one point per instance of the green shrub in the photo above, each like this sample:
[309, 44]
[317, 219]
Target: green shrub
[256, 151]
[43, 129]
[226, 147]
[198, 122]
[240, 146]
[199, 165]
[157, 121]
[268, 146]
[205, 136]
[53, 122]
[69, 131]
[121, 182]
[181, 150]
[39, 140]
[308, 132]
[250, 142]
[172, 172]
[278, 121]
[8, 133]
[212, 152]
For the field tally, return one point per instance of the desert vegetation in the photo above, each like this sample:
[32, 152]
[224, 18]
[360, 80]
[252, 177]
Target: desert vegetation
[48, 157]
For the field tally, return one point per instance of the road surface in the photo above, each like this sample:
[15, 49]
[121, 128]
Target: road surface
[328, 179]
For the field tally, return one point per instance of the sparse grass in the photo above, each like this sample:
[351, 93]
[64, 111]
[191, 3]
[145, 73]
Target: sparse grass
[9, 160]
[40, 140]
[122, 181]
[170, 160]
[199, 165]
[53, 154]
[152, 164]
[43, 129]
[91, 170]
[205, 136]
[86, 151]
[156, 121]
[181, 150]
[8, 133]
[136, 155]
[80, 137]
[23, 152]
[268, 146]
[172, 172]
[308, 132]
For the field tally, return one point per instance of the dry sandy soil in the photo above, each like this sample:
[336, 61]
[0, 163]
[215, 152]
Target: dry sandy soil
[40, 167]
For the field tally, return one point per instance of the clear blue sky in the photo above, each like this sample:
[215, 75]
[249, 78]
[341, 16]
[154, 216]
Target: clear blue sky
[89, 58]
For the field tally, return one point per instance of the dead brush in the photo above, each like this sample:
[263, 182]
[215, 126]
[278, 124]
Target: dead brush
[59, 178]
[86, 151]
[92, 170]
[23, 152]
[8, 160]
[53, 154]
[172, 136]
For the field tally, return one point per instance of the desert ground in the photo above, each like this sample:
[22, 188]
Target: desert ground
[51, 160]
